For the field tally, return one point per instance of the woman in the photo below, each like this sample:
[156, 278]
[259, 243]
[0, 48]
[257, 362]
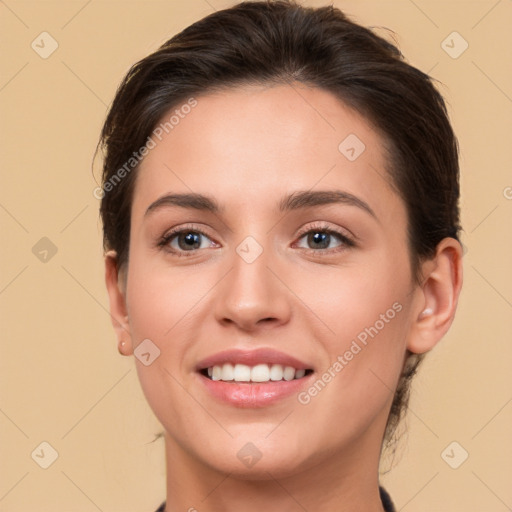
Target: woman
[281, 225]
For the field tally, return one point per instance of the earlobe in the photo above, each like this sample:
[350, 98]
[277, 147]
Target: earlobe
[438, 297]
[123, 348]
[117, 301]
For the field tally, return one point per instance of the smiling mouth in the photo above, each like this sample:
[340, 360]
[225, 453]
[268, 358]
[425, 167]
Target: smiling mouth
[259, 373]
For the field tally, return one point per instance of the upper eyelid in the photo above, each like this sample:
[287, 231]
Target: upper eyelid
[176, 231]
[321, 226]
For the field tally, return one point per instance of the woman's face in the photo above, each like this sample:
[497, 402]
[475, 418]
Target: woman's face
[303, 264]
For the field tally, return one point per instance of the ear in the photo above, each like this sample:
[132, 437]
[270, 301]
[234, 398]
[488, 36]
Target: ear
[117, 299]
[437, 297]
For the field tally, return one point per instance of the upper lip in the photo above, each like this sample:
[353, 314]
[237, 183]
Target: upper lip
[252, 358]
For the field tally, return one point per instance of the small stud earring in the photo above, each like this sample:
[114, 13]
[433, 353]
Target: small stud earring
[427, 312]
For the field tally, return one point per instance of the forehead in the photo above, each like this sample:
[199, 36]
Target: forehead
[250, 144]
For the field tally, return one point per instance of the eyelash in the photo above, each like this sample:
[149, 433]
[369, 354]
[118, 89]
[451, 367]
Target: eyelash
[347, 242]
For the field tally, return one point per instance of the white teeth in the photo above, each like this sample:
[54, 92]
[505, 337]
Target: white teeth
[276, 372]
[260, 373]
[242, 373]
[228, 372]
[257, 373]
[217, 373]
[289, 373]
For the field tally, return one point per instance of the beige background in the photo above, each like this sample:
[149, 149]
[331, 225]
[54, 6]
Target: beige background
[61, 378]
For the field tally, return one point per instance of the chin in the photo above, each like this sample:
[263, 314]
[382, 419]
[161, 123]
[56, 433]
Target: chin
[260, 471]
[258, 461]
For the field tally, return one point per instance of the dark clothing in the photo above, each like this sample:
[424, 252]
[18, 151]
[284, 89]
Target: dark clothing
[386, 500]
[384, 496]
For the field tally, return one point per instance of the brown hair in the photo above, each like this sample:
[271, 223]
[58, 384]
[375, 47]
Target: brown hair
[280, 42]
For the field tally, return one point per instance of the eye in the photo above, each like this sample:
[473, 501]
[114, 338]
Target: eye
[185, 240]
[319, 239]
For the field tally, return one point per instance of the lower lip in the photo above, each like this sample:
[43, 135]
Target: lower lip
[254, 394]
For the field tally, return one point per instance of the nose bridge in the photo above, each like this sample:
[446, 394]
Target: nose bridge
[251, 292]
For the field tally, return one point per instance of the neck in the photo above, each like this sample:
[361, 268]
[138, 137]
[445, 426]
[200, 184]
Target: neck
[345, 481]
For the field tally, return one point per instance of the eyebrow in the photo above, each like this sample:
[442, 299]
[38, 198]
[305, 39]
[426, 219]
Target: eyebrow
[299, 200]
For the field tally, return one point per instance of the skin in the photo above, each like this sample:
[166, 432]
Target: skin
[249, 147]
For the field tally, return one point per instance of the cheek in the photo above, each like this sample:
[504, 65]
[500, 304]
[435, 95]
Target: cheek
[160, 298]
[364, 315]
[159, 311]
[349, 298]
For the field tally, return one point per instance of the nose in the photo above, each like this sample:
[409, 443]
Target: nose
[253, 295]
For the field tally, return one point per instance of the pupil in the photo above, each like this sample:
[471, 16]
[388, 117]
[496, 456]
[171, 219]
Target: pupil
[321, 238]
[192, 240]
